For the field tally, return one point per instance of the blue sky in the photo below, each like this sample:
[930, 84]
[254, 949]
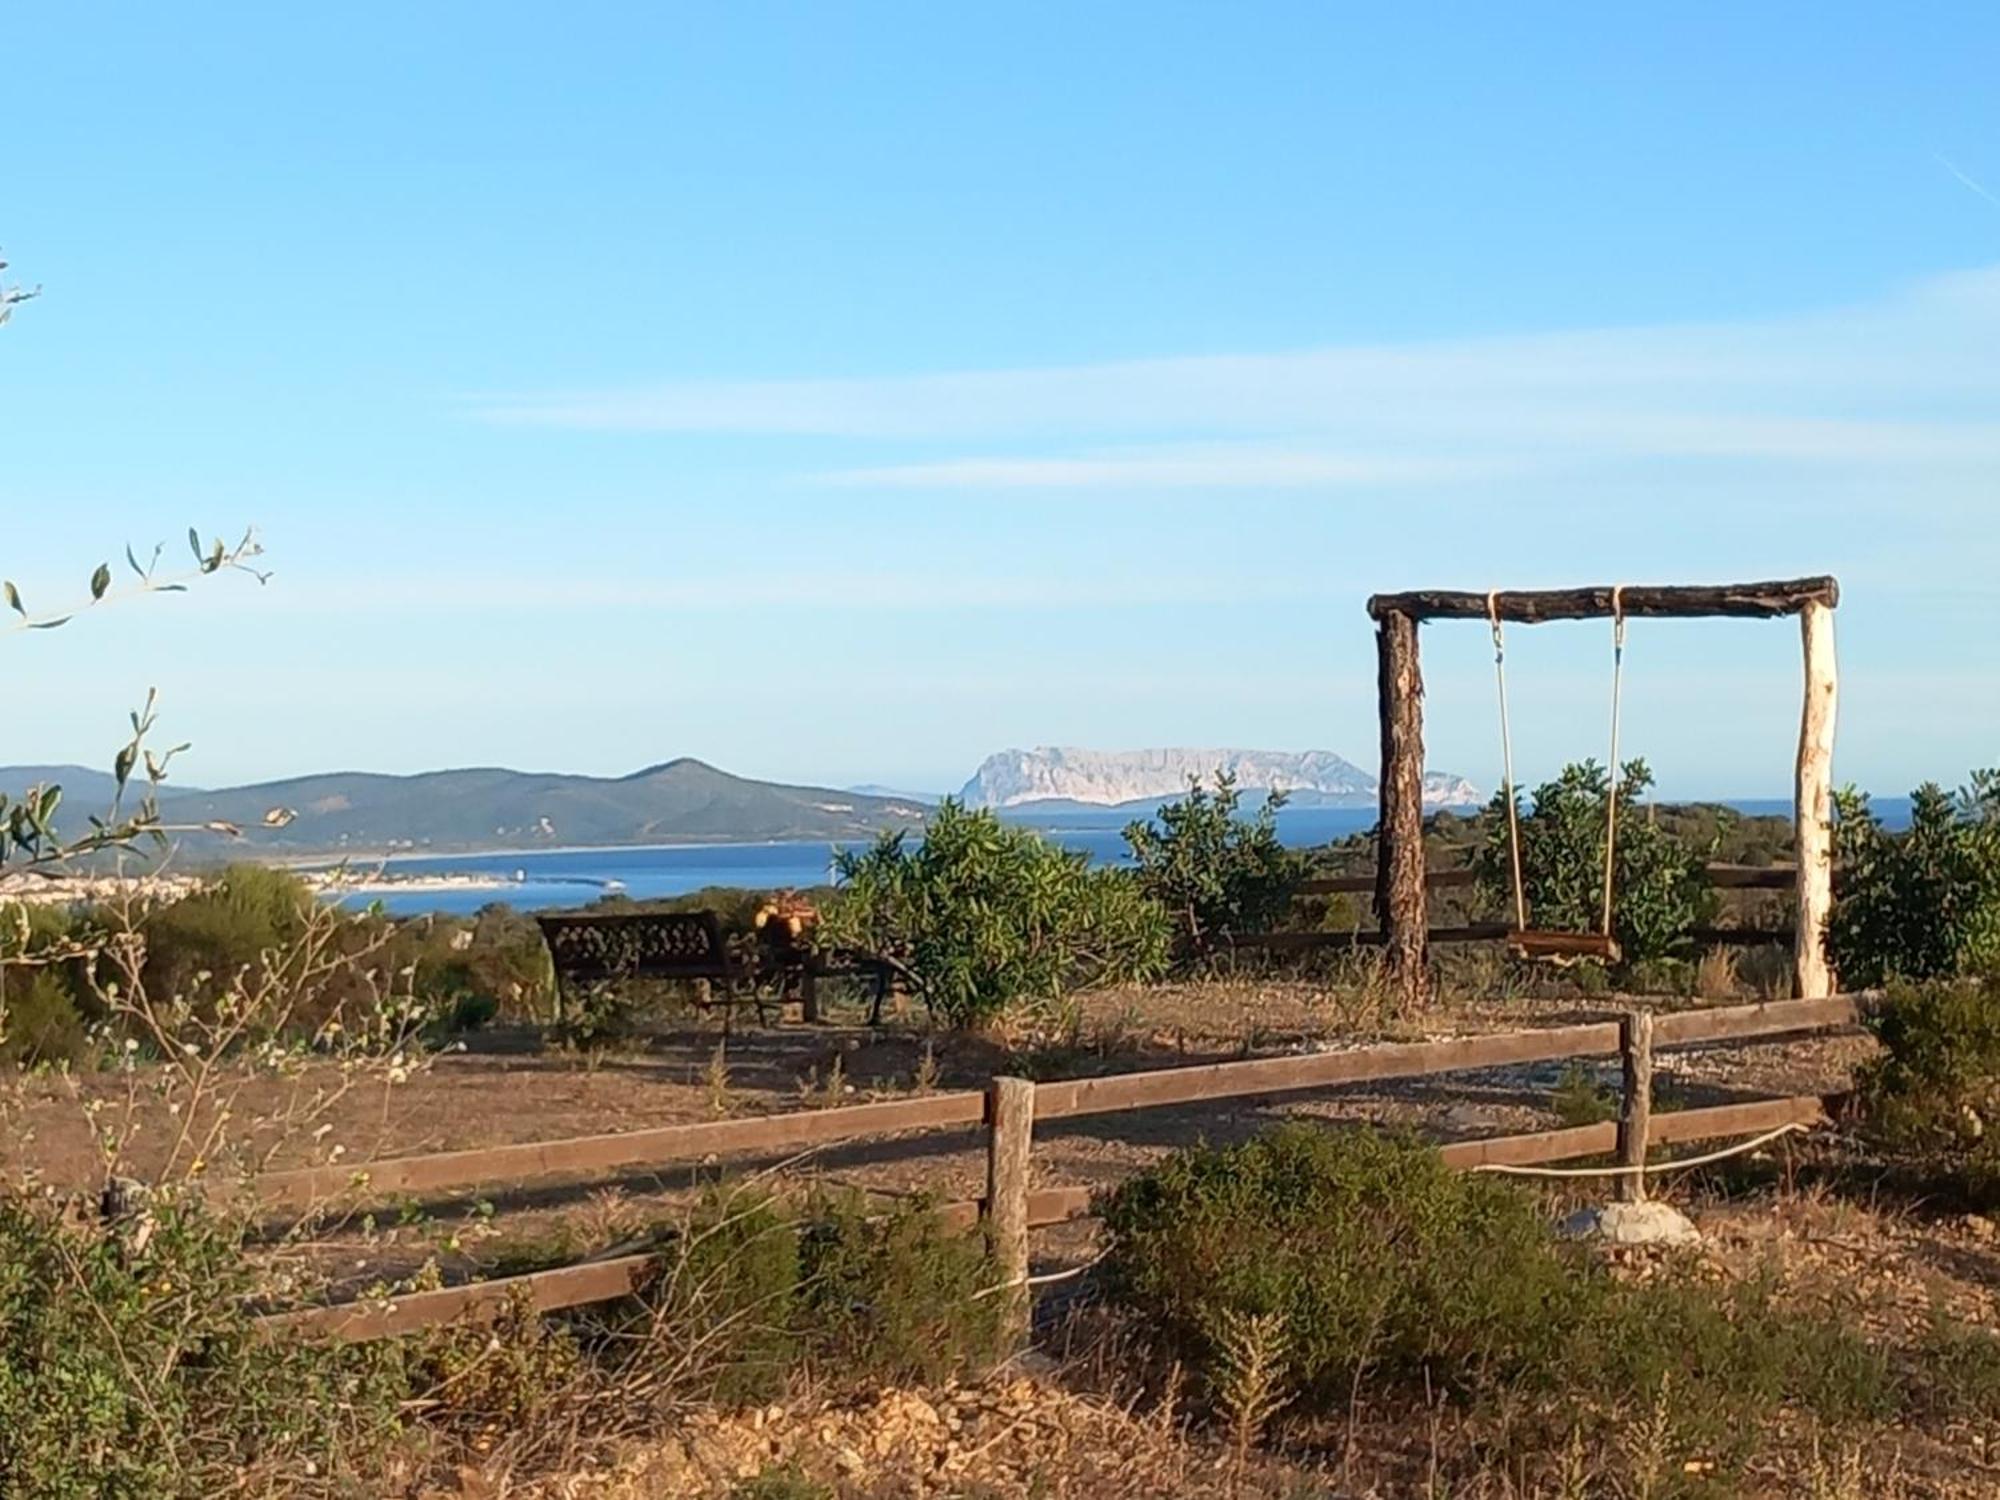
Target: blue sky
[841, 392]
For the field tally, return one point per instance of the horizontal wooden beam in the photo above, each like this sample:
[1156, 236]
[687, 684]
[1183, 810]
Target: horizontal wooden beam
[579, 1155]
[1275, 1075]
[1764, 1022]
[1723, 877]
[1673, 601]
[1484, 932]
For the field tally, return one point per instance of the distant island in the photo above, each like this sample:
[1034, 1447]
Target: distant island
[1052, 776]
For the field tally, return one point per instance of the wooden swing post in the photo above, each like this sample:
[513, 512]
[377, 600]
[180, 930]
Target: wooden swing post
[1399, 881]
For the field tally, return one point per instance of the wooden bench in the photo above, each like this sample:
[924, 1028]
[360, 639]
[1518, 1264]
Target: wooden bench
[590, 948]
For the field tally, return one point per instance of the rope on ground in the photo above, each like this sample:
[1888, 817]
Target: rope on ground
[1643, 1168]
[1053, 1276]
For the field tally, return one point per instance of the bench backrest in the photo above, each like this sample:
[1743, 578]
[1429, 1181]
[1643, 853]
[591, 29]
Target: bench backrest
[665, 945]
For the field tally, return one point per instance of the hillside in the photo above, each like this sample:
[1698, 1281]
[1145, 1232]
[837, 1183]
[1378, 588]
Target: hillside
[84, 790]
[1132, 778]
[681, 800]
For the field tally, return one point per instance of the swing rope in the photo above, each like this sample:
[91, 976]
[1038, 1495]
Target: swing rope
[1617, 694]
[1507, 760]
[1507, 757]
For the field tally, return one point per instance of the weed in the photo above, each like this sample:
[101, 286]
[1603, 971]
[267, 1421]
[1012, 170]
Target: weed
[781, 1482]
[1580, 1097]
[924, 1080]
[716, 1076]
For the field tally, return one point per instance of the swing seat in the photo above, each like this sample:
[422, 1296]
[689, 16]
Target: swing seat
[1563, 947]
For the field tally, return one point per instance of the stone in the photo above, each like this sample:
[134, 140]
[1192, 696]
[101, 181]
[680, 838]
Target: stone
[1632, 1224]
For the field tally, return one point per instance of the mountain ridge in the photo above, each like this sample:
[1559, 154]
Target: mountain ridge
[683, 800]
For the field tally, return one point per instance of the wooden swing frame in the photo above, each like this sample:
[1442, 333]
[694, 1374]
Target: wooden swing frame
[1401, 902]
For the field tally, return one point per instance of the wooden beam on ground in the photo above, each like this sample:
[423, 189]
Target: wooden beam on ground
[1812, 974]
[1671, 601]
[664, 1145]
[1400, 907]
[474, 1302]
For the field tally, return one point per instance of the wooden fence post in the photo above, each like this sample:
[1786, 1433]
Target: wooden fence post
[1010, 1125]
[1400, 904]
[1812, 975]
[1635, 1114]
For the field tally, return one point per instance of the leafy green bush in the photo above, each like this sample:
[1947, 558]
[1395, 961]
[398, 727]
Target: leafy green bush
[129, 1368]
[986, 914]
[1660, 882]
[1382, 1275]
[1924, 903]
[1215, 874]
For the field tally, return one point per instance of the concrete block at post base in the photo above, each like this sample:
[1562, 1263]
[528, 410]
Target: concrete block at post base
[1631, 1224]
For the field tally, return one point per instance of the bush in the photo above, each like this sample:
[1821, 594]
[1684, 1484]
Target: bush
[1378, 1273]
[40, 1020]
[1660, 883]
[986, 914]
[1214, 874]
[848, 1294]
[1371, 1252]
[1922, 904]
[1932, 1095]
[45, 1002]
[223, 928]
[129, 1368]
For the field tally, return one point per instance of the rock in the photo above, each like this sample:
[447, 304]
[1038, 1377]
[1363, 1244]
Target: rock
[1632, 1224]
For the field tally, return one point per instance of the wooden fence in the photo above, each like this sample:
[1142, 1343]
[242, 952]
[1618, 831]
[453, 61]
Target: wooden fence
[1721, 877]
[1008, 1109]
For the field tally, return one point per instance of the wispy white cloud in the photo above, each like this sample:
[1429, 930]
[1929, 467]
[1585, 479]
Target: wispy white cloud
[1967, 179]
[915, 591]
[1909, 380]
[1169, 467]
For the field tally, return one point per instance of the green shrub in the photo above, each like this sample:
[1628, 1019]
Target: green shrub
[1369, 1249]
[1924, 903]
[1213, 873]
[753, 1293]
[40, 1020]
[1660, 882]
[223, 928]
[129, 1368]
[45, 1002]
[985, 914]
[1932, 1095]
[1381, 1275]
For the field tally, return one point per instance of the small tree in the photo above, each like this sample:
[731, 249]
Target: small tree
[1215, 874]
[1925, 903]
[1660, 885]
[985, 914]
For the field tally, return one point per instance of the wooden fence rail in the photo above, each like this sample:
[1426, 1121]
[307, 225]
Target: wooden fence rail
[1008, 1110]
[1723, 877]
